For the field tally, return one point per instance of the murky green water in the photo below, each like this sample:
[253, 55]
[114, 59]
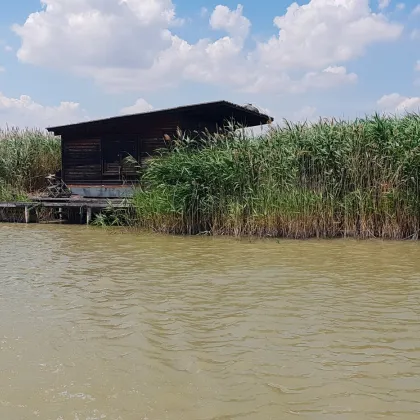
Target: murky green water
[96, 325]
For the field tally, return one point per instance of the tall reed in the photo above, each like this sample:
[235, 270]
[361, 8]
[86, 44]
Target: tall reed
[26, 157]
[333, 178]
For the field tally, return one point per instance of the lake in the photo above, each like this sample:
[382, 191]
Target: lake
[96, 324]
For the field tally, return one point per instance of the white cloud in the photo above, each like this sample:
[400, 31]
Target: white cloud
[2, 69]
[330, 77]
[415, 34]
[8, 48]
[398, 103]
[129, 45]
[416, 10]
[307, 113]
[325, 32]
[91, 34]
[231, 21]
[383, 4]
[25, 112]
[400, 6]
[204, 12]
[141, 105]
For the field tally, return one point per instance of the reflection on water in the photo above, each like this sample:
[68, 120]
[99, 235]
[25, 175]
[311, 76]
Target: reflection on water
[95, 325]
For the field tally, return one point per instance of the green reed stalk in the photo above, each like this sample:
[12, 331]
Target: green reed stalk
[26, 157]
[330, 179]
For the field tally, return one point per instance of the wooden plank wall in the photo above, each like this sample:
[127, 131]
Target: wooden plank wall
[82, 160]
[82, 154]
[148, 147]
[152, 137]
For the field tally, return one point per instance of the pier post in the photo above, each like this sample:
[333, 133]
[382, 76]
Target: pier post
[88, 215]
[27, 214]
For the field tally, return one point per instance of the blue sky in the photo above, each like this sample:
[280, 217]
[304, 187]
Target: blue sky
[69, 60]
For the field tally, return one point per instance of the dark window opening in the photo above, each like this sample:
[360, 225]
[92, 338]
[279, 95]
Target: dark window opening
[119, 158]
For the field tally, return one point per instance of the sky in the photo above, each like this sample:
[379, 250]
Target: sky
[64, 61]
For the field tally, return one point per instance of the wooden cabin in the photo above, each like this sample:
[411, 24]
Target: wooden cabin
[94, 153]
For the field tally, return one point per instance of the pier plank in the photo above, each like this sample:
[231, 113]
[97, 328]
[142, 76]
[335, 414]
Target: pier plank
[84, 206]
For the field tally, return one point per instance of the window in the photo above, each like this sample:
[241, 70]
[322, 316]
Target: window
[119, 157]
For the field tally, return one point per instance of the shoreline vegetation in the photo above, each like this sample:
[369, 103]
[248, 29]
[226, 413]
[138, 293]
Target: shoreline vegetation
[27, 156]
[328, 179]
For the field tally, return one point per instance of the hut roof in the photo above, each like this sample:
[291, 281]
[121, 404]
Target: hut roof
[217, 112]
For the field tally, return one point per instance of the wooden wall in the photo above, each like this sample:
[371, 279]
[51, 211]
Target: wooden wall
[81, 160]
[82, 150]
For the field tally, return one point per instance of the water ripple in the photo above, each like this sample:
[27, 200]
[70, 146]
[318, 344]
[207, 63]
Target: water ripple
[101, 325]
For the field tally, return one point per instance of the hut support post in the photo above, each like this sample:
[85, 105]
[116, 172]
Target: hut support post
[27, 214]
[88, 215]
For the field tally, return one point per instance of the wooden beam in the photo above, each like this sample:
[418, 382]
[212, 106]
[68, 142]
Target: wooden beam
[14, 205]
[27, 214]
[88, 215]
[83, 204]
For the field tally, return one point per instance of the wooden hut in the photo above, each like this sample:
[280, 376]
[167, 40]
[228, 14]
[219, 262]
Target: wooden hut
[94, 153]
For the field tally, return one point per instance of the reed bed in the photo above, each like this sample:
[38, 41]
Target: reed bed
[333, 178]
[329, 179]
[26, 157]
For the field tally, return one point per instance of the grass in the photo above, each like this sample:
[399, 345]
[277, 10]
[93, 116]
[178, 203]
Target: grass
[26, 157]
[329, 179]
[114, 216]
[334, 178]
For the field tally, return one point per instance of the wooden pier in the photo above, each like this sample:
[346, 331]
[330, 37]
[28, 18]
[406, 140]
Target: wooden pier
[84, 207]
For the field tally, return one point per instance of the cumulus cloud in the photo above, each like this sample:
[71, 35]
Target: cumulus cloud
[2, 69]
[90, 34]
[25, 112]
[383, 4]
[333, 75]
[324, 32]
[141, 105]
[398, 103]
[231, 21]
[130, 44]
